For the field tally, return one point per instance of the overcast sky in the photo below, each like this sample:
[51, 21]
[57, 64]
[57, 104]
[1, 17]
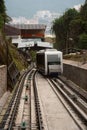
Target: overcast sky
[28, 8]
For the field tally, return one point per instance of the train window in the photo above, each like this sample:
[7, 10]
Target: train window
[53, 59]
[41, 60]
[54, 63]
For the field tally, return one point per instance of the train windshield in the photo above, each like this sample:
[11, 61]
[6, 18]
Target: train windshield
[53, 60]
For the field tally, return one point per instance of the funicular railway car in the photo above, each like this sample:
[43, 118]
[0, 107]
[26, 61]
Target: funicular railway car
[49, 62]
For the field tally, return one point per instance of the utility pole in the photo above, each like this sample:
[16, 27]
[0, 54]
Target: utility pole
[67, 43]
[6, 43]
[7, 62]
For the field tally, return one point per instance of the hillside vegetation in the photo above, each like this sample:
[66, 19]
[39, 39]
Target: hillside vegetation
[18, 58]
[13, 54]
[10, 56]
[71, 29]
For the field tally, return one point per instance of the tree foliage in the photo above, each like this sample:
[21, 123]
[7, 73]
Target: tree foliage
[61, 27]
[3, 15]
[83, 12]
[72, 24]
[82, 41]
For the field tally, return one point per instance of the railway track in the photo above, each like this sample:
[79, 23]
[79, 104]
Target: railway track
[69, 103]
[78, 97]
[80, 92]
[19, 114]
[8, 120]
[23, 115]
[39, 121]
[44, 103]
[75, 104]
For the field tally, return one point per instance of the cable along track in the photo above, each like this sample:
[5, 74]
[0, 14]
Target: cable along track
[19, 112]
[73, 106]
[57, 113]
[76, 98]
[23, 115]
[8, 121]
[39, 120]
[46, 105]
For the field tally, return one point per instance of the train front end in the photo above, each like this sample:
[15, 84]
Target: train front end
[54, 63]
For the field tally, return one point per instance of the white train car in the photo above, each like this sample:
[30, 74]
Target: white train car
[49, 62]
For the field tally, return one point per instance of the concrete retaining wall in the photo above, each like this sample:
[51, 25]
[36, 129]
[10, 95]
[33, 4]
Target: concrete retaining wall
[76, 74]
[3, 79]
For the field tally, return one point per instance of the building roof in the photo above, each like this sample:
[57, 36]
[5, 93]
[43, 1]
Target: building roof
[9, 30]
[29, 26]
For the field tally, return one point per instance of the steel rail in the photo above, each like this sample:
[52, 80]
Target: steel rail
[78, 99]
[14, 103]
[11, 122]
[80, 92]
[37, 105]
[80, 113]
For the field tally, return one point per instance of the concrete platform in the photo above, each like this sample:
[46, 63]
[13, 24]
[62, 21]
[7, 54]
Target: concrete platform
[75, 63]
[55, 115]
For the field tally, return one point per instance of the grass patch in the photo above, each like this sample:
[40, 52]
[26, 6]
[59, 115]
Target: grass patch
[18, 58]
[76, 57]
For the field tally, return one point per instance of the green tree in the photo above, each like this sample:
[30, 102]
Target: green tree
[82, 44]
[3, 15]
[1, 21]
[83, 11]
[71, 25]
[69, 15]
[76, 28]
[2, 12]
[61, 28]
[2, 7]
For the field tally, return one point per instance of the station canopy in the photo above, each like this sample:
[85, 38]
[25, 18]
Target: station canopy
[30, 30]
